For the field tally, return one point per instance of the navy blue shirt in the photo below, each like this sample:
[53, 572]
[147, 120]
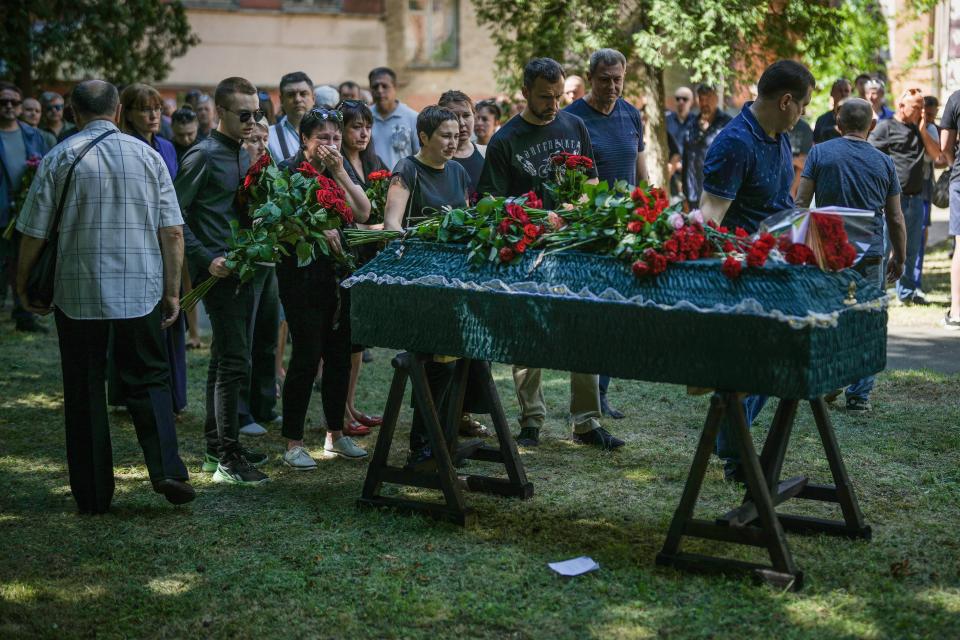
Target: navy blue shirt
[750, 168]
[617, 139]
[852, 173]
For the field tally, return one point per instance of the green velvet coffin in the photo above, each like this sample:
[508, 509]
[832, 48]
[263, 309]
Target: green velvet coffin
[787, 331]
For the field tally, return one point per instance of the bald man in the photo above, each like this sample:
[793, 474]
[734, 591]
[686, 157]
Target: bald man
[574, 88]
[849, 172]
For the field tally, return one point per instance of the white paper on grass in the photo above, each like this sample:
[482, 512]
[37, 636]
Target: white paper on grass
[574, 567]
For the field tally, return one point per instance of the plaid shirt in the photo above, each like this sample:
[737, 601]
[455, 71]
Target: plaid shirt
[109, 264]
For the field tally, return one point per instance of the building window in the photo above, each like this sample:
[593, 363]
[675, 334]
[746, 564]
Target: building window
[313, 6]
[432, 33]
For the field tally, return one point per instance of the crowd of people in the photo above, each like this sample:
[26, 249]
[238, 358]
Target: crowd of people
[148, 193]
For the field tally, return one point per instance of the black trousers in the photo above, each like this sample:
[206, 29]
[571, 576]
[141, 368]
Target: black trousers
[234, 310]
[319, 321]
[141, 361]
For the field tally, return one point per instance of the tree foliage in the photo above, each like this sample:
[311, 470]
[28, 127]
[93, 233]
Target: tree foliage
[123, 41]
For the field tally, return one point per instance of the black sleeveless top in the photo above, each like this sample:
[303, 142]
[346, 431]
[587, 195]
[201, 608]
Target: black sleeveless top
[473, 165]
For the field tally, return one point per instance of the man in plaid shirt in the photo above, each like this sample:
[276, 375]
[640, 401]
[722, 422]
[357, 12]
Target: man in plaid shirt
[120, 256]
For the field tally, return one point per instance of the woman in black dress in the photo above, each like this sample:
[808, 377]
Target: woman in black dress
[317, 308]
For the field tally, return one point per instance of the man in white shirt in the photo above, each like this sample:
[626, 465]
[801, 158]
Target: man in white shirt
[118, 271]
[296, 98]
[394, 123]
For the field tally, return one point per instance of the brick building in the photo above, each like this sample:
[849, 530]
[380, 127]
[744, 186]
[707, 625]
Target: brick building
[433, 45]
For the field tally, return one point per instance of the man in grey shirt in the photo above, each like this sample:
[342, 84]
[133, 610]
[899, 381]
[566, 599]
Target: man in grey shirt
[394, 123]
[120, 256]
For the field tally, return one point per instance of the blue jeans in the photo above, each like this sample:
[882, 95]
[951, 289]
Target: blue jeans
[918, 269]
[871, 273]
[727, 449]
[913, 215]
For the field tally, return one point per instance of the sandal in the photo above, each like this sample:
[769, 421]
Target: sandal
[369, 421]
[470, 428]
[356, 429]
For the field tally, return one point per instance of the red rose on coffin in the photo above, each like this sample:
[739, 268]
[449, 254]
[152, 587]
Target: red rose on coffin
[732, 268]
[506, 254]
[641, 269]
[533, 201]
[635, 226]
[515, 211]
[521, 246]
[505, 225]
[756, 257]
[531, 230]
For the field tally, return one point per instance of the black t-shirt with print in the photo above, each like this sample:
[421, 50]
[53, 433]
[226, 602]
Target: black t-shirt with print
[951, 120]
[518, 157]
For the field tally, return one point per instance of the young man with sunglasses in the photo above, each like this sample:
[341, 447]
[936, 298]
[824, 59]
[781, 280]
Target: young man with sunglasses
[206, 186]
[18, 143]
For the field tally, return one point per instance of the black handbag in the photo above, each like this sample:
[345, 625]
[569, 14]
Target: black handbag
[940, 196]
[42, 278]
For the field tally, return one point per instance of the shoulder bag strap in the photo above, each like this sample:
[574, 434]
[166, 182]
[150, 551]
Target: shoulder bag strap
[282, 139]
[66, 183]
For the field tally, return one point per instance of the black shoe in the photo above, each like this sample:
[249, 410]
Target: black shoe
[609, 411]
[367, 356]
[528, 437]
[733, 472]
[239, 471]
[175, 491]
[30, 325]
[418, 458]
[255, 458]
[858, 404]
[598, 437]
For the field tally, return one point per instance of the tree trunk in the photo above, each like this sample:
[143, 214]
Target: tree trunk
[655, 126]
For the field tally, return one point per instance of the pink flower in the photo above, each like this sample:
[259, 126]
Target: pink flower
[676, 220]
[696, 216]
[555, 221]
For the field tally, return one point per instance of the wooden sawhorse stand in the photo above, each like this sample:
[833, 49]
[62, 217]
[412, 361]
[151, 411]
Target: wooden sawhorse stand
[756, 521]
[440, 473]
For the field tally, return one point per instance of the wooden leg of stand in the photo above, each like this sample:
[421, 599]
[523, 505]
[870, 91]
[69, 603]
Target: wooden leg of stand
[691, 490]
[519, 485]
[756, 482]
[445, 471]
[371, 486]
[775, 448]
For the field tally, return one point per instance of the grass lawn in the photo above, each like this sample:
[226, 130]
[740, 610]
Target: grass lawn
[296, 558]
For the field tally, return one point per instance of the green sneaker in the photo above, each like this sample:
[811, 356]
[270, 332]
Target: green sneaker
[209, 463]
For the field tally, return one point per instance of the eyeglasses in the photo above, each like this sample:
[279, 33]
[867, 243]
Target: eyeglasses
[350, 104]
[681, 98]
[327, 114]
[54, 107]
[10, 102]
[246, 115]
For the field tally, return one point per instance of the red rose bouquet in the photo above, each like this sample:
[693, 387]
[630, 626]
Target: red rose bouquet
[379, 182]
[569, 176]
[289, 209]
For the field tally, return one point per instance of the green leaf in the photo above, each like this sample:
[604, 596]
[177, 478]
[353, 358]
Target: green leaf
[304, 253]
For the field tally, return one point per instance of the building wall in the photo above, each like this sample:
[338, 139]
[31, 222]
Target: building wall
[263, 45]
[261, 42]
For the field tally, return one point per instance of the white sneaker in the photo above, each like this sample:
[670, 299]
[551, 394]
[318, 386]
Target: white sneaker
[253, 430]
[299, 459]
[345, 447]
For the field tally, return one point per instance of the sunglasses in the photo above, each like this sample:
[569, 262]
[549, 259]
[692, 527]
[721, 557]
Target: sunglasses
[54, 107]
[10, 102]
[245, 116]
[327, 114]
[350, 103]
